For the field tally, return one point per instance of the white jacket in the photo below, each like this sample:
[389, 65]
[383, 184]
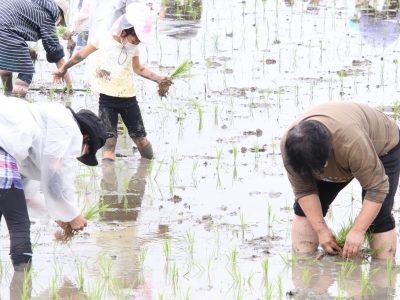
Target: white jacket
[45, 140]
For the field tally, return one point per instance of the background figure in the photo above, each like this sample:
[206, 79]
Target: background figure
[123, 190]
[378, 26]
[28, 21]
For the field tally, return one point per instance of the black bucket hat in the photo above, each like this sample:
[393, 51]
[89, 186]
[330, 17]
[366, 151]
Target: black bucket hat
[91, 125]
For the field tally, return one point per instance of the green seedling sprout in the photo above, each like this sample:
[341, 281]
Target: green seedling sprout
[60, 30]
[182, 71]
[342, 234]
[80, 276]
[94, 211]
[242, 223]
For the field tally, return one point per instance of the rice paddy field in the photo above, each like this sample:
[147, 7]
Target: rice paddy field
[210, 216]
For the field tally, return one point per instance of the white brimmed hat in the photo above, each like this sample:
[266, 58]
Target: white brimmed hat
[139, 17]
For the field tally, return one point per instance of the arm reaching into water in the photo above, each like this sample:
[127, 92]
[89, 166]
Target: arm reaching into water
[75, 59]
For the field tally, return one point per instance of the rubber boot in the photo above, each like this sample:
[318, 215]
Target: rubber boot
[146, 151]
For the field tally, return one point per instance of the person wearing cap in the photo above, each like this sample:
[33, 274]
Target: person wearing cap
[116, 62]
[24, 21]
[39, 146]
[322, 151]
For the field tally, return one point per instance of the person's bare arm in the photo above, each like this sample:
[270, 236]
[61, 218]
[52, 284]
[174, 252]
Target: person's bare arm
[355, 237]
[311, 207]
[143, 71]
[75, 59]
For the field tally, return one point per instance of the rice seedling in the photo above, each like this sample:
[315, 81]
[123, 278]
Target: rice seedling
[80, 276]
[396, 67]
[366, 288]
[27, 284]
[54, 288]
[182, 70]
[105, 265]
[167, 250]
[347, 267]
[242, 223]
[306, 277]
[269, 215]
[142, 255]
[189, 238]
[60, 30]
[95, 290]
[269, 291]
[289, 261]
[279, 286]
[342, 234]
[390, 270]
[172, 174]
[396, 111]
[199, 108]
[89, 213]
[218, 157]
[265, 268]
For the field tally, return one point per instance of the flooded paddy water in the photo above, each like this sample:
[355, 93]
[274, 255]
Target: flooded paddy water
[210, 216]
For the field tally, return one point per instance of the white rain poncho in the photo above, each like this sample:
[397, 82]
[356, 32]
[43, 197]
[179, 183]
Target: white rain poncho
[45, 140]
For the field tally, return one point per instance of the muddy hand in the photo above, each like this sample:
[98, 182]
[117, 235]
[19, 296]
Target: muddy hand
[58, 76]
[78, 223]
[353, 243]
[328, 242]
[163, 86]
[61, 224]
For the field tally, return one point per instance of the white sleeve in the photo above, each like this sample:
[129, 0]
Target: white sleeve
[61, 146]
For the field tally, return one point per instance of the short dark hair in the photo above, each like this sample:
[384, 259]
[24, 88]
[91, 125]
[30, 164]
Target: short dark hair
[130, 31]
[308, 147]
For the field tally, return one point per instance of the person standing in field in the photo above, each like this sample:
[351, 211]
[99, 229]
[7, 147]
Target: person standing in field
[323, 151]
[39, 145]
[116, 62]
[24, 21]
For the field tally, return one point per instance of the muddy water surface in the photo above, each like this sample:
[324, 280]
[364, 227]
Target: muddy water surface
[210, 216]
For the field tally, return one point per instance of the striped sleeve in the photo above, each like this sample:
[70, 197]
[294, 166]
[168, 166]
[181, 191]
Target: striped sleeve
[54, 50]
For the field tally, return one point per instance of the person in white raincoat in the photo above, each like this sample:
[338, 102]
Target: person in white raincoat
[40, 142]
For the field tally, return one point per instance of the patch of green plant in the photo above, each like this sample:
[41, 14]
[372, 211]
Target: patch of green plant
[182, 71]
[342, 234]
[94, 211]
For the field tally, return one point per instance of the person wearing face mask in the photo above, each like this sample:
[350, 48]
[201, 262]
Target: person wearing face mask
[24, 21]
[116, 61]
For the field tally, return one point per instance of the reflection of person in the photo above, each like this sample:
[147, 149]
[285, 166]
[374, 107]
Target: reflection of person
[311, 277]
[322, 152]
[122, 192]
[377, 26]
[116, 61]
[41, 143]
[22, 21]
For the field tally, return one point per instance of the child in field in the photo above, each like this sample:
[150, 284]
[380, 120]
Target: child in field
[117, 59]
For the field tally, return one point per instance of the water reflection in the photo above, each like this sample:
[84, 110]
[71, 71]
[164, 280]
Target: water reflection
[353, 279]
[122, 190]
[378, 26]
[181, 18]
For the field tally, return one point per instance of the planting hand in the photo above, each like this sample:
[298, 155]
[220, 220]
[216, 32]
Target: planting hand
[328, 242]
[353, 243]
[78, 223]
[163, 86]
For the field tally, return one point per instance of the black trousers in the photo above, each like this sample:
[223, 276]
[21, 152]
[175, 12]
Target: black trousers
[13, 208]
[384, 221]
